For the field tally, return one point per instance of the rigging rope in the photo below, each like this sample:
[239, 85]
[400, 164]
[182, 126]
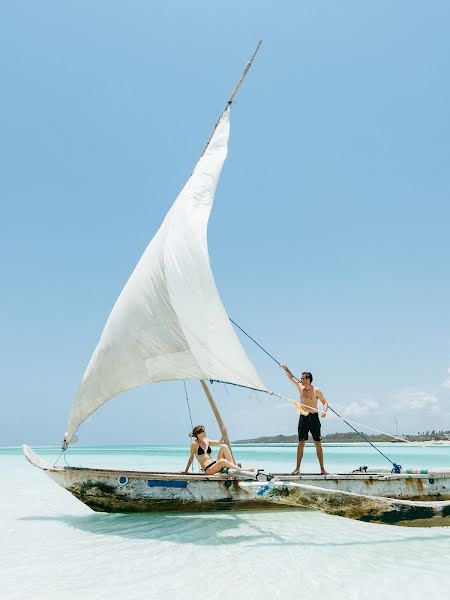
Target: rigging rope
[187, 401]
[190, 416]
[63, 453]
[396, 468]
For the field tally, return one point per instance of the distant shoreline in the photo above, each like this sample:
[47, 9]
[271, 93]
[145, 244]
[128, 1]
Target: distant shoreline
[435, 437]
[83, 447]
[361, 443]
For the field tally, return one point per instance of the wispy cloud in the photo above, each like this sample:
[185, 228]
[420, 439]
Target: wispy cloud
[407, 400]
[417, 401]
[361, 409]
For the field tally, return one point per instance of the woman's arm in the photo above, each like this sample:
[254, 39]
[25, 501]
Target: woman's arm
[191, 458]
[218, 442]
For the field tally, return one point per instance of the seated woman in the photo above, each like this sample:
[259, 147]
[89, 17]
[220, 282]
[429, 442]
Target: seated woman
[201, 448]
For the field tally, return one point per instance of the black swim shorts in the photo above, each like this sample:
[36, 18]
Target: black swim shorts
[309, 423]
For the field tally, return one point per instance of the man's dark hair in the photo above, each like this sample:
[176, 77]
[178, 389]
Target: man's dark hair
[308, 375]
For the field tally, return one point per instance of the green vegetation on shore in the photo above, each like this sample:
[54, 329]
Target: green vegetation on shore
[424, 436]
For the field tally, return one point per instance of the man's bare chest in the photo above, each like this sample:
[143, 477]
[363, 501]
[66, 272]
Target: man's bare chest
[309, 397]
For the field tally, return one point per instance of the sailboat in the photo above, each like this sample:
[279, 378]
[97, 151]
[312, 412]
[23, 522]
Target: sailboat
[169, 324]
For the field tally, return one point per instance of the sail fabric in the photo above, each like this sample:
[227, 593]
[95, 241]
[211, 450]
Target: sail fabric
[169, 322]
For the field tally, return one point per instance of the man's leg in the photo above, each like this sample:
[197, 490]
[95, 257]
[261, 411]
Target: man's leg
[320, 457]
[301, 446]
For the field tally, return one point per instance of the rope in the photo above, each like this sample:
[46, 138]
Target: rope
[62, 452]
[394, 437]
[187, 401]
[246, 387]
[255, 342]
[396, 468]
[190, 416]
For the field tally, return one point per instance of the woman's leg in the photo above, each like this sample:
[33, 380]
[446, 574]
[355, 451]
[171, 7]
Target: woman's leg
[225, 453]
[223, 463]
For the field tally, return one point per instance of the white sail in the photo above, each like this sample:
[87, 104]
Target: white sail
[169, 322]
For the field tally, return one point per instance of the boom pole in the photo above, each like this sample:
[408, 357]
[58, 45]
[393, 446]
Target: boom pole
[217, 415]
[233, 94]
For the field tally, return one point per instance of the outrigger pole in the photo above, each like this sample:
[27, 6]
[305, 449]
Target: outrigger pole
[203, 383]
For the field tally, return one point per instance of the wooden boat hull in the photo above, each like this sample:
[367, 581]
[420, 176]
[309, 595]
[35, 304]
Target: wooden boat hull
[108, 490]
[361, 507]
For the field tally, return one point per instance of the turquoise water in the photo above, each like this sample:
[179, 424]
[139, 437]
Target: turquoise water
[273, 458]
[53, 546]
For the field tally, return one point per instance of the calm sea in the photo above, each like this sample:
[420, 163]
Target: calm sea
[55, 547]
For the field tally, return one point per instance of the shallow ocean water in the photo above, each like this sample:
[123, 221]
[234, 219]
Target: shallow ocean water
[54, 546]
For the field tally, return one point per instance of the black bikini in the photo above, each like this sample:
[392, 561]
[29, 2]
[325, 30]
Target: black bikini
[200, 450]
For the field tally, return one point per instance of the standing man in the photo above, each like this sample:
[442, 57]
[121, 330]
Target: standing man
[309, 416]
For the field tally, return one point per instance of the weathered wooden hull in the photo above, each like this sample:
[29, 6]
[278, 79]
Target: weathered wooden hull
[361, 507]
[108, 490]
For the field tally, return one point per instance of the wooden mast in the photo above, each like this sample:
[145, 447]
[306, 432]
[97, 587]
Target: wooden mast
[204, 385]
[217, 415]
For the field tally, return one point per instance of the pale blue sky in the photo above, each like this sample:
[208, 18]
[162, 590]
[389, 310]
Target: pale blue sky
[329, 236]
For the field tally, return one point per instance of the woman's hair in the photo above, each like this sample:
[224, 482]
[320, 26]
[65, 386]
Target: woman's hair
[197, 429]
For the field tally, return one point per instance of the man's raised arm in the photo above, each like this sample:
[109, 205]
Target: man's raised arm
[294, 380]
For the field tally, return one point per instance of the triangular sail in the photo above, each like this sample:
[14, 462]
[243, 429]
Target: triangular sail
[169, 322]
